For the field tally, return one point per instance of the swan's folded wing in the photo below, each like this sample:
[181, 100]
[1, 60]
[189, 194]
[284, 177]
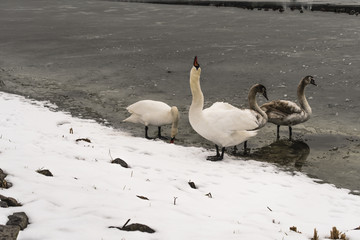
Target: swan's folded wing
[280, 108]
[225, 117]
[145, 106]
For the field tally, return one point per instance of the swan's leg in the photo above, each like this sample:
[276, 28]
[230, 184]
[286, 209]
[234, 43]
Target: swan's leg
[245, 148]
[217, 157]
[277, 132]
[146, 132]
[234, 150]
[159, 132]
[290, 132]
[222, 153]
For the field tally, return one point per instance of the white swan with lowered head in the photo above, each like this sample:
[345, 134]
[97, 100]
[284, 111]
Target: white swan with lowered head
[287, 113]
[154, 113]
[222, 123]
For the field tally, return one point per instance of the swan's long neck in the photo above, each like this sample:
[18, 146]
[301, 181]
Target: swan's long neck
[175, 116]
[253, 104]
[197, 103]
[302, 99]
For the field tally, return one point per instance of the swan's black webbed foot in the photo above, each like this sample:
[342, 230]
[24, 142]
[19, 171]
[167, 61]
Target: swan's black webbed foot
[217, 157]
[246, 151]
[214, 158]
[164, 138]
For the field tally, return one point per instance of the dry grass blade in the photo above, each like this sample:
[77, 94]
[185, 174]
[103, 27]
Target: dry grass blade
[83, 139]
[293, 228]
[142, 197]
[336, 234]
[316, 236]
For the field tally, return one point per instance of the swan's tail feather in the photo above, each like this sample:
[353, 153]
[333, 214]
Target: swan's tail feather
[252, 133]
[133, 119]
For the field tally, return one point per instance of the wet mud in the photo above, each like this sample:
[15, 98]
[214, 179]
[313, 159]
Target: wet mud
[94, 58]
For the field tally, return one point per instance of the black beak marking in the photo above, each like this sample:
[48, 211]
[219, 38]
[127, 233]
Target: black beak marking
[312, 81]
[265, 95]
[196, 64]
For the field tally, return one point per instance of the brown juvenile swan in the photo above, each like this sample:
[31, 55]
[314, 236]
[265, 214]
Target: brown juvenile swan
[287, 113]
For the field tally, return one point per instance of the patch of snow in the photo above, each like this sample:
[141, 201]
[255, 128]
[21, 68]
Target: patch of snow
[87, 194]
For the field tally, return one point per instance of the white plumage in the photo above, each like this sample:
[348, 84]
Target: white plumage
[154, 113]
[222, 123]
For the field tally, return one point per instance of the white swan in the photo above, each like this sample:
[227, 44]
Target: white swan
[154, 113]
[222, 123]
[287, 113]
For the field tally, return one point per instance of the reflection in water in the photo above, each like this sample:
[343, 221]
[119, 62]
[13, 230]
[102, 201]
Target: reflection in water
[283, 152]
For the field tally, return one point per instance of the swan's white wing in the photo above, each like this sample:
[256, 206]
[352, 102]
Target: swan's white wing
[280, 109]
[149, 112]
[145, 106]
[225, 117]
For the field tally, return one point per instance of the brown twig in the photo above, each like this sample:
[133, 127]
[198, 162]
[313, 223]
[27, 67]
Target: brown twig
[126, 223]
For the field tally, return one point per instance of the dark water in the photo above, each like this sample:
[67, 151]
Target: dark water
[94, 58]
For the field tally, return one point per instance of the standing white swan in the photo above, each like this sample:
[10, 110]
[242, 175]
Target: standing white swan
[287, 113]
[154, 113]
[222, 123]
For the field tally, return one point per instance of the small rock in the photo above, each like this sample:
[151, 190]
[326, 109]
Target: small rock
[2, 174]
[3, 182]
[11, 202]
[135, 227]
[45, 172]
[9, 232]
[121, 162]
[8, 185]
[18, 219]
[192, 185]
[138, 227]
[3, 204]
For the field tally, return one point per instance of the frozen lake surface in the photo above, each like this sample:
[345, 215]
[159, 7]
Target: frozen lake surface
[94, 58]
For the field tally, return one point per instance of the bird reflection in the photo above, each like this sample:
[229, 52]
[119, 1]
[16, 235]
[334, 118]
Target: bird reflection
[283, 152]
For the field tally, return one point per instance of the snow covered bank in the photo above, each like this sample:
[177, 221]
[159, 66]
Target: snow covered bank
[87, 194]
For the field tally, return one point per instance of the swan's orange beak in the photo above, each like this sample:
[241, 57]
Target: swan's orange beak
[196, 64]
